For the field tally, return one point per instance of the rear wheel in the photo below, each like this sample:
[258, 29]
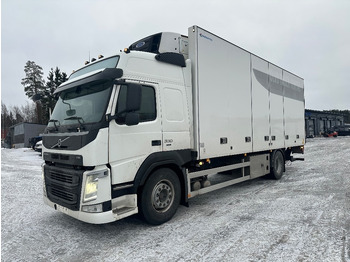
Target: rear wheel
[277, 165]
[160, 196]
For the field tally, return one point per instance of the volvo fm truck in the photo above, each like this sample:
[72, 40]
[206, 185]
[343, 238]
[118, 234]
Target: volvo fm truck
[166, 119]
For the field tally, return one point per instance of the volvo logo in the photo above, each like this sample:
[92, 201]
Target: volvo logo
[59, 142]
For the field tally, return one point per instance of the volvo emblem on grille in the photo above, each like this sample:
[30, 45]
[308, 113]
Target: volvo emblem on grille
[59, 142]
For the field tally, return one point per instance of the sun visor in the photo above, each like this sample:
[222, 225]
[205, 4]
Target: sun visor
[106, 74]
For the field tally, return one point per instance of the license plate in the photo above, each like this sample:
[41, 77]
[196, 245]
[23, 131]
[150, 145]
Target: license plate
[62, 209]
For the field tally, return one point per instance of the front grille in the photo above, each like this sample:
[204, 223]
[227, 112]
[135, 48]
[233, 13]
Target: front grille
[63, 186]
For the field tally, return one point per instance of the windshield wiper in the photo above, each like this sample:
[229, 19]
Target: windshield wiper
[54, 121]
[79, 120]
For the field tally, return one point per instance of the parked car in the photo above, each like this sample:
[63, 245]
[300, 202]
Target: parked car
[343, 130]
[34, 140]
[38, 146]
[330, 133]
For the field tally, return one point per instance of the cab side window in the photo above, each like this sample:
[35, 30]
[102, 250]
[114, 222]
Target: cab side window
[147, 111]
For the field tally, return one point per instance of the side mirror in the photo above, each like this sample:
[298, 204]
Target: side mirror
[132, 119]
[133, 97]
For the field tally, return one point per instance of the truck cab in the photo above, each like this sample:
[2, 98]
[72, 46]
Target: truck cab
[114, 120]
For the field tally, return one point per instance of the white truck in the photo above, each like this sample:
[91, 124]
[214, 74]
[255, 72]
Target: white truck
[168, 118]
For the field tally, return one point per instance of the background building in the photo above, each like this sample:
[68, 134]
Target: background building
[22, 132]
[317, 122]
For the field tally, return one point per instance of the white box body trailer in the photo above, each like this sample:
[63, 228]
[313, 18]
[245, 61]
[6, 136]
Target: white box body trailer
[242, 103]
[169, 118]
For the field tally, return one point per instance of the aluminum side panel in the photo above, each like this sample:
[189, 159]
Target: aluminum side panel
[260, 105]
[276, 111]
[294, 123]
[223, 96]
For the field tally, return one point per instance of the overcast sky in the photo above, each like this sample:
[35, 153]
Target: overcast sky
[307, 37]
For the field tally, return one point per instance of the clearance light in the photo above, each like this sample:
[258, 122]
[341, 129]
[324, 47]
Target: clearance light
[126, 50]
[100, 56]
[93, 59]
[87, 62]
[92, 208]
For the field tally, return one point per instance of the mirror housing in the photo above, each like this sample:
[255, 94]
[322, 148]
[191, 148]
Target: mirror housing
[133, 97]
[132, 104]
[132, 119]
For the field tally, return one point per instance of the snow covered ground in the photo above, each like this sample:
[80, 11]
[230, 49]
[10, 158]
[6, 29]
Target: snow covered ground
[303, 217]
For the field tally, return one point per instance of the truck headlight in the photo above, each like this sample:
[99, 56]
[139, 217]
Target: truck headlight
[91, 185]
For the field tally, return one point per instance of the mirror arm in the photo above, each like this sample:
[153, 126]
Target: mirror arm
[109, 117]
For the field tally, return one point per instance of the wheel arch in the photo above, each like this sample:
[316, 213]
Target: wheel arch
[174, 160]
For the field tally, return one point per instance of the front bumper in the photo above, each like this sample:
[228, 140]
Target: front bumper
[97, 218]
[65, 190]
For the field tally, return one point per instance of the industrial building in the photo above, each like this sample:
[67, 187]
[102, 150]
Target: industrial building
[318, 122]
[22, 132]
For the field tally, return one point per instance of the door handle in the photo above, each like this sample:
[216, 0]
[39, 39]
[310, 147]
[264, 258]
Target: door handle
[156, 142]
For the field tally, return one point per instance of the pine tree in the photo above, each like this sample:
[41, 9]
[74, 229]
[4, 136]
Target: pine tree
[34, 86]
[55, 79]
[41, 93]
[33, 82]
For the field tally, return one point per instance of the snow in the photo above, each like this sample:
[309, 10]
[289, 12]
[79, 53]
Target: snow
[305, 216]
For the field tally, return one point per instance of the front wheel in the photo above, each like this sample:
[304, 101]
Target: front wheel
[160, 196]
[277, 165]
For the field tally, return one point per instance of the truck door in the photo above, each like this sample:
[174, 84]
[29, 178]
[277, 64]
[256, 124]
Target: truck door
[129, 146]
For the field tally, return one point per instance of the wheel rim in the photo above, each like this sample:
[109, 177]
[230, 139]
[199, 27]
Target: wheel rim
[163, 195]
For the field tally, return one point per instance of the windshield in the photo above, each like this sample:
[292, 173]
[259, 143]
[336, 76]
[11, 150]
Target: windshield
[81, 105]
[106, 63]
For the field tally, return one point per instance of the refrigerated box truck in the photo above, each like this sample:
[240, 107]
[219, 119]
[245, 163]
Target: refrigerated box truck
[168, 118]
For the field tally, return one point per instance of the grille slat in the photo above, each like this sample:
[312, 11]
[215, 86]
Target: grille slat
[61, 177]
[64, 195]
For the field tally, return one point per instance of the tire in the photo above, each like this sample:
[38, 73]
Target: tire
[277, 165]
[160, 196]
